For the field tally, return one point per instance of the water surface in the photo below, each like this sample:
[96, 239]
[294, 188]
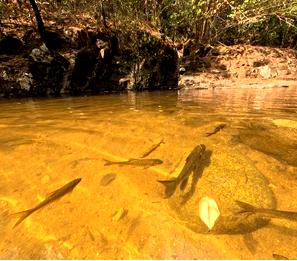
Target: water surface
[46, 143]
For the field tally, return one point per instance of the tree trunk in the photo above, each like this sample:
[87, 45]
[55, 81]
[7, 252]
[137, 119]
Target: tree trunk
[40, 24]
[103, 14]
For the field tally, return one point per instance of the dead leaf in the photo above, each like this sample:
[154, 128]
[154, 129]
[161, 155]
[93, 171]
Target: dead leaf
[208, 211]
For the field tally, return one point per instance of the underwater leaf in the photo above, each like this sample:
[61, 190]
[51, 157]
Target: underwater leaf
[208, 211]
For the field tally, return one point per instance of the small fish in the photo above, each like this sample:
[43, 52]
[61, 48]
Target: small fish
[192, 162]
[217, 129]
[107, 178]
[150, 150]
[279, 257]
[53, 196]
[270, 213]
[146, 163]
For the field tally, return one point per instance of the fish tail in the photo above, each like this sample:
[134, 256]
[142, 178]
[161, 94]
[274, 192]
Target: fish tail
[245, 206]
[23, 214]
[170, 186]
[107, 162]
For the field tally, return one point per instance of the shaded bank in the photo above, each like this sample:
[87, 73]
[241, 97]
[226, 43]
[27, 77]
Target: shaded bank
[88, 62]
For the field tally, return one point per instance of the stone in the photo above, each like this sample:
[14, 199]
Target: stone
[48, 70]
[10, 45]
[265, 71]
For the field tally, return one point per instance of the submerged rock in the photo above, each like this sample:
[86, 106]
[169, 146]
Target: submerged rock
[278, 142]
[229, 177]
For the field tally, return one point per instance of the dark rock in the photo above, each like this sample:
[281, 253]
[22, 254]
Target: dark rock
[95, 68]
[86, 63]
[10, 45]
[15, 78]
[260, 63]
[159, 71]
[88, 38]
[92, 72]
[48, 71]
[85, 38]
[56, 40]
[148, 63]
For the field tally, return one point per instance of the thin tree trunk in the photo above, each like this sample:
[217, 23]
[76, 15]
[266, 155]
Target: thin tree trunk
[103, 14]
[40, 24]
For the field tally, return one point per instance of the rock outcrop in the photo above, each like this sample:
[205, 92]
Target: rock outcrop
[85, 61]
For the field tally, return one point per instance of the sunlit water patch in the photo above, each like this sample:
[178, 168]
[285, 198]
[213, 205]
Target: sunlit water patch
[119, 210]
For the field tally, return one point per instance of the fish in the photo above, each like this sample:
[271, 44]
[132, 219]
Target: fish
[53, 196]
[146, 163]
[192, 162]
[266, 212]
[217, 129]
[150, 150]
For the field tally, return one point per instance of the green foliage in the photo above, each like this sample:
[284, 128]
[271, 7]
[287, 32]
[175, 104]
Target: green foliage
[264, 22]
[270, 22]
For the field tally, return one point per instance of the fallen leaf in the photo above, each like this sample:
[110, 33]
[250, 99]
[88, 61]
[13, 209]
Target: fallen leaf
[208, 211]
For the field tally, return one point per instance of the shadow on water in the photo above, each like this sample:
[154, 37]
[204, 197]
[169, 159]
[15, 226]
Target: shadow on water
[197, 173]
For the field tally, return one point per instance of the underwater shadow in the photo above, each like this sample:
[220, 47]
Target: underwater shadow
[197, 174]
[292, 232]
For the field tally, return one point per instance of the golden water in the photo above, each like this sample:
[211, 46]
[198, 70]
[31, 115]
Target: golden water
[46, 143]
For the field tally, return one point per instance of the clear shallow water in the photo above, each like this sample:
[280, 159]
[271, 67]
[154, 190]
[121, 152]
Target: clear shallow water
[48, 142]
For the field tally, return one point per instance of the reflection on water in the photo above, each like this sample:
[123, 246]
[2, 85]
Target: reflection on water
[119, 211]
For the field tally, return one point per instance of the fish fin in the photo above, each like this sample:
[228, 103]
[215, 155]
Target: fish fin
[245, 206]
[170, 186]
[107, 162]
[51, 193]
[24, 214]
[184, 183]
[17, 214]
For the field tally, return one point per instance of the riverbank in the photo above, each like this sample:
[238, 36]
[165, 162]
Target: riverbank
[85, 58]
[240, 66]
